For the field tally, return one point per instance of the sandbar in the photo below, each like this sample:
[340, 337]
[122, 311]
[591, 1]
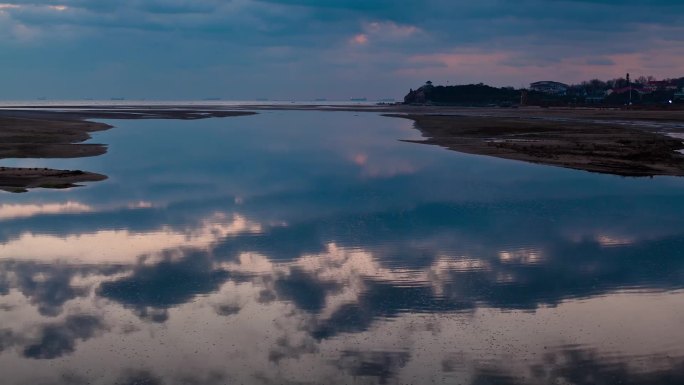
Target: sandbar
[60, 133]
[598, 143]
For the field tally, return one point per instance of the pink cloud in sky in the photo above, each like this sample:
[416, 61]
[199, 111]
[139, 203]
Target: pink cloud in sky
[506, 68]
[383, 31]
[360, 39]
[390, 29]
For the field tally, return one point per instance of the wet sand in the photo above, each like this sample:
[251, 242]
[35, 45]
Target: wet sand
[613, 141]
[59, 134]
[622, 149]
[627, 142]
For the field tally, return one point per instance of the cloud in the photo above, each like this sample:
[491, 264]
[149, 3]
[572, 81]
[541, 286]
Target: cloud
[227, 309]
[575, 365]
[49, 286]
[119, 246]
[383, 366]
[11, 211]
[139, 47]
[7, 339]
[58, 339]
[139, 377]
[152, 288]
[360, 39]
[390, 29]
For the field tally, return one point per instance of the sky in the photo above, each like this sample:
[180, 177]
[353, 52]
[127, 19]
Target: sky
[334, 49]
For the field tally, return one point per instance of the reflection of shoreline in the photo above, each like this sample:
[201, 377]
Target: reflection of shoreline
[39, 137]
[59, 134]
[612, 141]
[21, 179]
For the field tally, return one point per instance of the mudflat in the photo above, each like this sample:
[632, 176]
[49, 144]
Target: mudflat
[627, 142]
[27, 133]
[624, 142]
[620, 141]
[36, 137]
[598, 141]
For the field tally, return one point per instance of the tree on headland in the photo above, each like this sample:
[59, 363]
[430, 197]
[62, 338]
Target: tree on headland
[470, 94]
[613, 92]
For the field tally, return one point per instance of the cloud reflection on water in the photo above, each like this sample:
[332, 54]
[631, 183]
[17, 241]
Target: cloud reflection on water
[10, 211]
[123, 246]
[328, 275]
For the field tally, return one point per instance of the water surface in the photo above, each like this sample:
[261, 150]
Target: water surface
[315, 247]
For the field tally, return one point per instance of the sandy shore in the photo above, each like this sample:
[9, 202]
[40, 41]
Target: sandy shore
[614, 141]
[59, 134]
[604, 147]
[627, 142]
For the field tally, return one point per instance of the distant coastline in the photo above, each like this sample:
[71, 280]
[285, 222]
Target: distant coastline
[643, 93]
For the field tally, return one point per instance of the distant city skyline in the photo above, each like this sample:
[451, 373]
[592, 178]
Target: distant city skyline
[333, 49]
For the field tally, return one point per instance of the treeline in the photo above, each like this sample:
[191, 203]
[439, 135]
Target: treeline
[644, 90]
[597, 85]
[470, 94]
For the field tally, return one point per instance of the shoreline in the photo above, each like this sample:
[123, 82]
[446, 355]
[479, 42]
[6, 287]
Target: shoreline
[611, 141]
[604, 148]
[38, 137]
[59, 134]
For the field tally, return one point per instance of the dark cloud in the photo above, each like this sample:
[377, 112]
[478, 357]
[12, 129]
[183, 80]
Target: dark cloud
[579, 365]
[383, 366]
[307, 292]
[48, 287]
[299, 48]
[212, 377]
[358, 5]
[58, 339]
[66, 377]
[4, 282]
[284, 348]
[555, 268]
[139, 377]
[51, 290]
[151, 289]
[382, 300]
[7, 339]
[227, 309]
[151, 314]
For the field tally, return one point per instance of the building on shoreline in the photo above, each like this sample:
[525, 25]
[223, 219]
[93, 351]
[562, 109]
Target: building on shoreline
[679, 96]
[550, 87]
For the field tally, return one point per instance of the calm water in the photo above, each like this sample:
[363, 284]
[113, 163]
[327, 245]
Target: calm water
[315, 247]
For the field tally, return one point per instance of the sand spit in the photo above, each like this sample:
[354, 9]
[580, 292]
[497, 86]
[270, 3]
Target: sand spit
[592, 143]
[626, 142]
